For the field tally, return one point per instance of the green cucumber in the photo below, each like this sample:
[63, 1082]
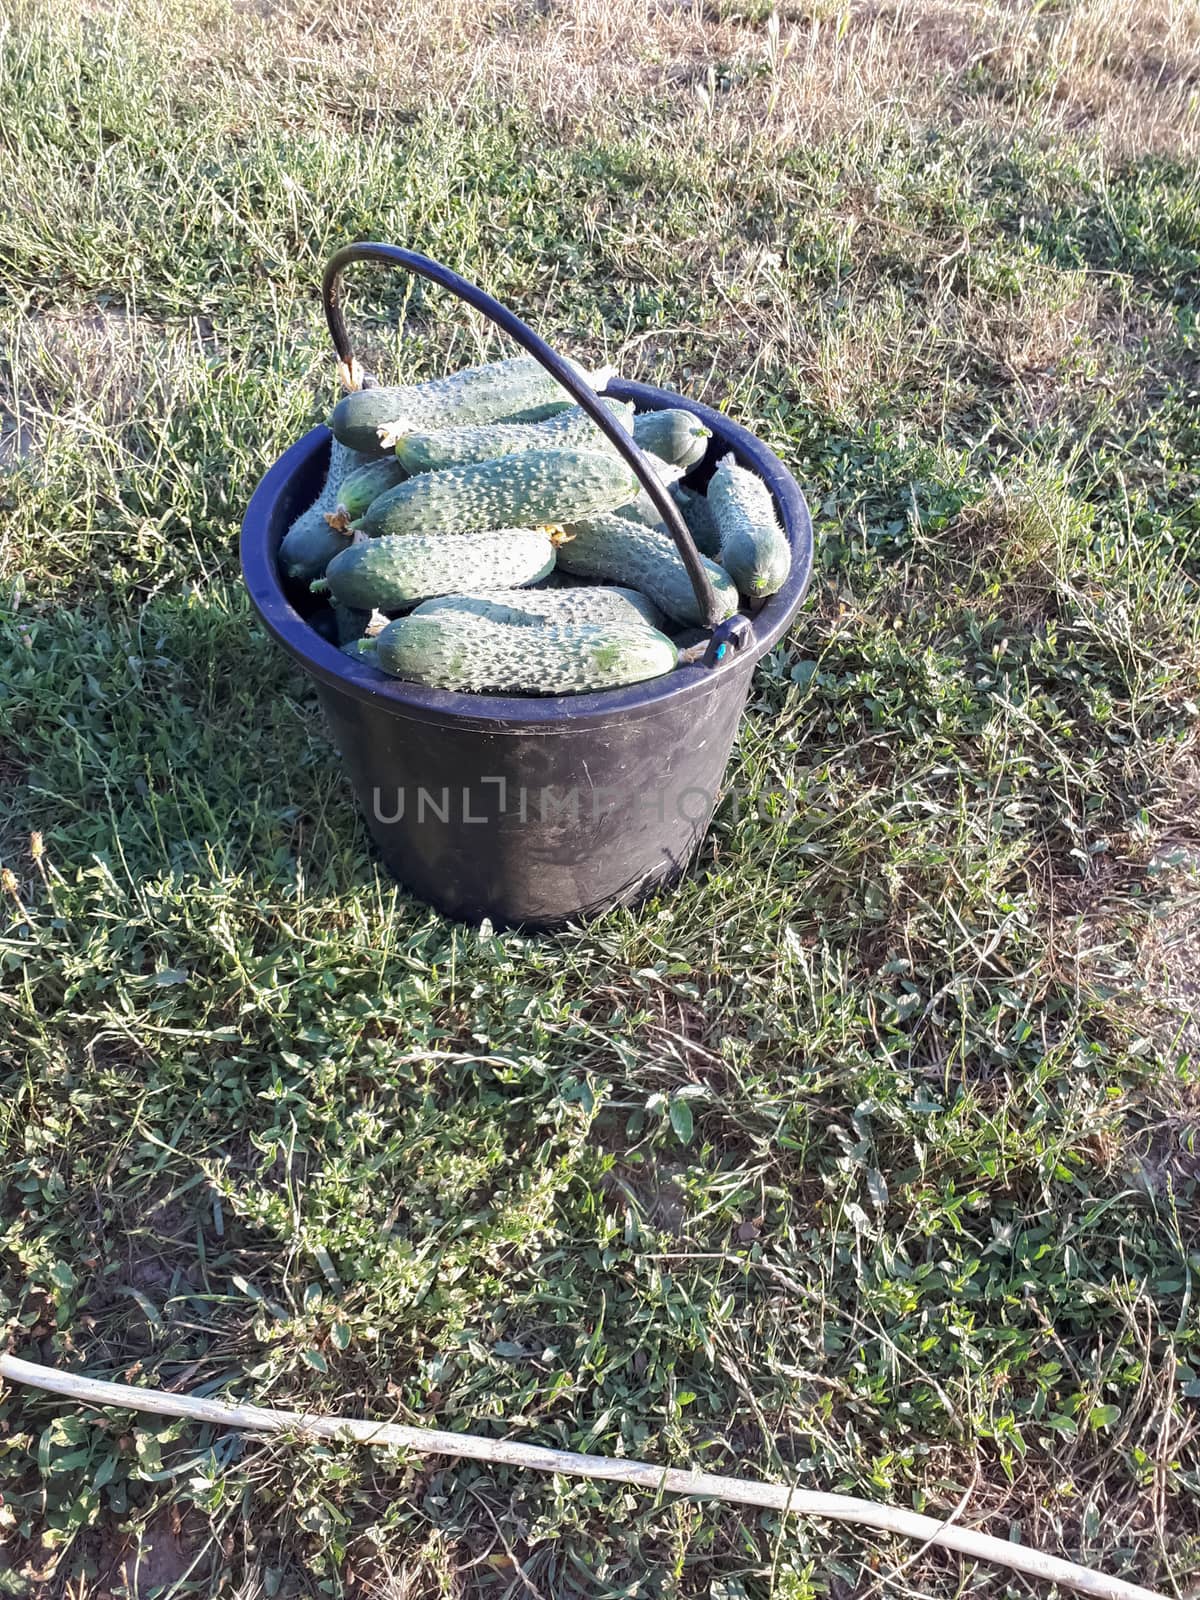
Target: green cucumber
[695, 510]
[360, 487]
[517, 389]
[361, 650]
[526, 490]
[308, 546]
[391, 573]
[350, 621]
[754, 549]
[677, 436]
[310, 543]
[620, 551]
[459, 650]
[454, 447]
[536, 607]
[641, 508]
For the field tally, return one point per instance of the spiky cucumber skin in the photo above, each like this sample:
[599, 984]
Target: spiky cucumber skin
[459, 650]
[536, 607]
[695, 511]
[526, 490]
[754, 550]
[502, 389]
[367, 483]
[617, 550]
[310, 543]
[393, 572]
[675, 436]
[641, 508]
[460, 447]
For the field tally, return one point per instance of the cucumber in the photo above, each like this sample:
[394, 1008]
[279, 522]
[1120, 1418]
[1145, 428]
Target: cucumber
[308, 546]
[310, 543]
[617, 550]
[350, 622]
[451, 447]
[361, 650]
[391, 573]
[459, 650]
[526, 490]
[360, 487]
[698, 515]
[677, 436]
[754, 549]
[517, 389]
[536, 607]
[641, 508]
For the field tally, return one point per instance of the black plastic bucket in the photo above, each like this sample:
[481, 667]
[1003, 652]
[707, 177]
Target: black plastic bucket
[531, 812]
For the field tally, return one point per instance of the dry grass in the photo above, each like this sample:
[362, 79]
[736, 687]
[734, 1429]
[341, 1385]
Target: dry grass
[1127, 77]
[92, 374]
[1129, 74]
[1168, 965]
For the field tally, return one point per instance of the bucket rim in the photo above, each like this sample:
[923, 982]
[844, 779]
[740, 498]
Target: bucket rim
[527, 713]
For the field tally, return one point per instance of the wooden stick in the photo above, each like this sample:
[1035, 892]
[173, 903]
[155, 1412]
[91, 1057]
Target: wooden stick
[641, 1474]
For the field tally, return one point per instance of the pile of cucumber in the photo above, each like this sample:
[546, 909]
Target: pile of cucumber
[480, 533]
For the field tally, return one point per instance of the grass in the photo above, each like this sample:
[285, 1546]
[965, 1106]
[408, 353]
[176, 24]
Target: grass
[868, 1156]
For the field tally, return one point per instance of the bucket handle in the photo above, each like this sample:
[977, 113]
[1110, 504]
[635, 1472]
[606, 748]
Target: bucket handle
[725, 634]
